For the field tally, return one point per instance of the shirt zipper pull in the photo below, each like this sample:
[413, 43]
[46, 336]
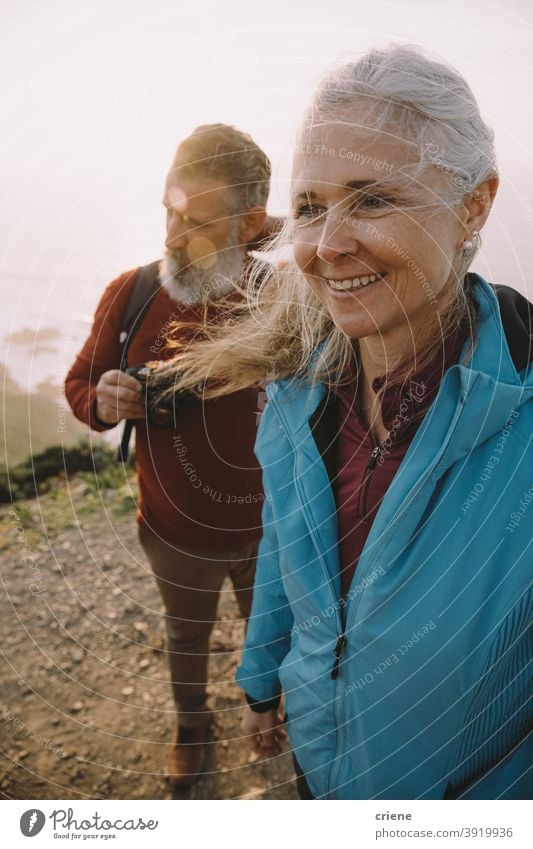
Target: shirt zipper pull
[338, 650]
[374, 458]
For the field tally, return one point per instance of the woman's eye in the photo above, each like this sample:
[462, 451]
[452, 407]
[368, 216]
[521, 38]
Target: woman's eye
[308, 211]
[371, 202]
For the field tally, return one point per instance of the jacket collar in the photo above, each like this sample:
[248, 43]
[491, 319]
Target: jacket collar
[478, 398]
[474, 402]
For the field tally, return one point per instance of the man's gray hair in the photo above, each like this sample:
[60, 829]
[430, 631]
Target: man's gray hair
[225, 153]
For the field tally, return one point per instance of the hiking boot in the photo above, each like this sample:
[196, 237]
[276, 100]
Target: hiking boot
[186, 753]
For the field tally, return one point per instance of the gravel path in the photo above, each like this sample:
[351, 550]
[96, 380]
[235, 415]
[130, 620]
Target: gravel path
[85, 701]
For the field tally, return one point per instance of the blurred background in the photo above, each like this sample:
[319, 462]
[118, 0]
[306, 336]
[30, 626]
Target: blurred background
[94, 97]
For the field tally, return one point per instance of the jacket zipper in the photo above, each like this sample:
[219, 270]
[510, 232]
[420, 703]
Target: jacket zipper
[338, 652]
[342, 640]
[373, 460]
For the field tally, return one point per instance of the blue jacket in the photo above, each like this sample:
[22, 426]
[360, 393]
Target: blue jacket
[430, 695]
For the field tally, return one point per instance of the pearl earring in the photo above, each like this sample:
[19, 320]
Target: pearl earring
[468, 244]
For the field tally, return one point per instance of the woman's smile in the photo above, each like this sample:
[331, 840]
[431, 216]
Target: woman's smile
[351, 285]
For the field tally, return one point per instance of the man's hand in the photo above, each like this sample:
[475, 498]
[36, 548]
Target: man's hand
[119, 396]
[265, 731]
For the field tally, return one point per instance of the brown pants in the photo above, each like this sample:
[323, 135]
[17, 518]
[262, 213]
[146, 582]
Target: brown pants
[190, 583]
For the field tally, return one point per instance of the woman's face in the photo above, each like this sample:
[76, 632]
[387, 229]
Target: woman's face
[376, 245]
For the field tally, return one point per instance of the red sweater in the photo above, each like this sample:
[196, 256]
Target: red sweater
[199, 486]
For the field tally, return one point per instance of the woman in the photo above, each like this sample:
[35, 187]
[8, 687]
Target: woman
[390, 604]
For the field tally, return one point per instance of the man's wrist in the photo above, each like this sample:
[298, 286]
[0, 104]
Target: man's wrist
[100, 421]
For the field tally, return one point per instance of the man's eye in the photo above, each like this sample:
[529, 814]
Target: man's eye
[308, 211]
[186, 219]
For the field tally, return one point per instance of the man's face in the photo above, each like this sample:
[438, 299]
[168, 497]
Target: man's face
[203, 251]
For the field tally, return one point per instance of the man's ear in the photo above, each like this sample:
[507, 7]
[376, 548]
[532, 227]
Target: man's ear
[478, 205]
[251, 224]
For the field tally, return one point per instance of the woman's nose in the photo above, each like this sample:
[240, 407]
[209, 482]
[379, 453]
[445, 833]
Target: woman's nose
[337, 238]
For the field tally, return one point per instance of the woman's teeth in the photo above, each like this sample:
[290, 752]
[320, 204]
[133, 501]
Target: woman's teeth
[355, 282]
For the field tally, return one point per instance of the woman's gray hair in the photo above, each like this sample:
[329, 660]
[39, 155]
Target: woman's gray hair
[426, 100]
[284, 324]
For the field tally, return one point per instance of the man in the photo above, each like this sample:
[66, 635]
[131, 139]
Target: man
[200, 493]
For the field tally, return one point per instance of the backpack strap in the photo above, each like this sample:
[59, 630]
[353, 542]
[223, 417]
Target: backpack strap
[145, 286]
[517, 320]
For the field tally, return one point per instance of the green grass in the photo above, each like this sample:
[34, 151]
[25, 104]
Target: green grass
[112, 490]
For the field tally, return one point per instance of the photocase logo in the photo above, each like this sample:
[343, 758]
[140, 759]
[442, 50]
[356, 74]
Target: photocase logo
[31, 822]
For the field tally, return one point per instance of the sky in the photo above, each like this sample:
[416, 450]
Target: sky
[95, 96]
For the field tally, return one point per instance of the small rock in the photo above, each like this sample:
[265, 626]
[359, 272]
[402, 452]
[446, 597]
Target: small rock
[77, 654]
[253, 793]
[77, 706]
[140, 626]
[144, 663]
[127, 691]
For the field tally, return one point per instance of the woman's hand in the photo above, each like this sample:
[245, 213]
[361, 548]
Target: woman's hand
[265, 731]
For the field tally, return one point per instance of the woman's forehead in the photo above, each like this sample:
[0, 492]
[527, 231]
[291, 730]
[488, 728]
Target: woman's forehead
[337, 153]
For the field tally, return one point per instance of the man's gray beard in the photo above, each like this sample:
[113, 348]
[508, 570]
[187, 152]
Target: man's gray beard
[192, 285]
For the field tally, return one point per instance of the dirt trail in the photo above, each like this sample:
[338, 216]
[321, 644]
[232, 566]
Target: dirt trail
[84, 700]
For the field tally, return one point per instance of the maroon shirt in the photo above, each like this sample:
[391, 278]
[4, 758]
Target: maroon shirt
[364, 470]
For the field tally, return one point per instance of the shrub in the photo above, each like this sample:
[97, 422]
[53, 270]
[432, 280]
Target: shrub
[35, 474]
